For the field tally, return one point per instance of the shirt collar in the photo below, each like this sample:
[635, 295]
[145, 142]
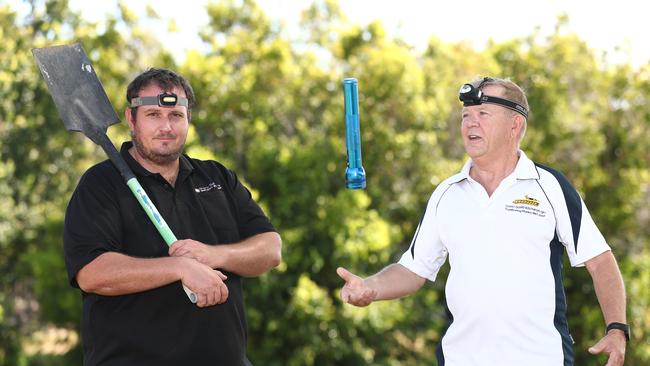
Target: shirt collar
[525, 169]
[185, 167]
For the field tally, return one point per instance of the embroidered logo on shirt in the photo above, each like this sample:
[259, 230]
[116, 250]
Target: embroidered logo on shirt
[526, 201]
[526, 205]
[208, 188]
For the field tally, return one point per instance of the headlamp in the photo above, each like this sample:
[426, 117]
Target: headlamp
[471, 95]
[162, 100]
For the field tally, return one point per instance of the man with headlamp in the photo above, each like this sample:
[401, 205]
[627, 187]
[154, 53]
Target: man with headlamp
[134, 311]
[504, 222]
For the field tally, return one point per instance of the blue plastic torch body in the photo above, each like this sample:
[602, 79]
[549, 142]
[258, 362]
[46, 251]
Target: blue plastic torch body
[355, 176]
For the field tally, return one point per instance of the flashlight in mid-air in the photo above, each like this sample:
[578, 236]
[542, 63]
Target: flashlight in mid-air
[355, 176]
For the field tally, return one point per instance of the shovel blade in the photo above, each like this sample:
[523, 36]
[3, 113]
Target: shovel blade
[75, 88]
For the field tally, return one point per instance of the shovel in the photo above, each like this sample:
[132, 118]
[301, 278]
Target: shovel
[84, 107]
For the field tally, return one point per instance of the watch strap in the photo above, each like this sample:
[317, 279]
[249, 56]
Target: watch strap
[620, 326]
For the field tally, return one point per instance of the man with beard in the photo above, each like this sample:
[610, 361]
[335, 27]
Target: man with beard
[134, 309]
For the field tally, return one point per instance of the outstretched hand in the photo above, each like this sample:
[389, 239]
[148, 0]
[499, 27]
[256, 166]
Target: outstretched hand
[613, 343]
[355, 291]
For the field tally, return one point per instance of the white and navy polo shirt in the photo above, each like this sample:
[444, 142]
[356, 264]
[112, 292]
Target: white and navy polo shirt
[504, 291]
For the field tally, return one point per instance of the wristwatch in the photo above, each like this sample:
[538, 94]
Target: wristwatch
[620, 326]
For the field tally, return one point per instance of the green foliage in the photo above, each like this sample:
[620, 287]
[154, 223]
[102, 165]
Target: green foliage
[270, 107]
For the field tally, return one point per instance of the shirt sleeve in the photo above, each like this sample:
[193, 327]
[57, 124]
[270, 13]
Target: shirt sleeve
[92, 226]
[584, 240]
[575, 228]
[427, 253]
[251, 219]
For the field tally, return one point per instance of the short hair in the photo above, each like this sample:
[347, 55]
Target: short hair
[511, 91]
[165, 79]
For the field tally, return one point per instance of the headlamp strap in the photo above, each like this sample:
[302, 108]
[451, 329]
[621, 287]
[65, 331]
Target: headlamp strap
[505, 103]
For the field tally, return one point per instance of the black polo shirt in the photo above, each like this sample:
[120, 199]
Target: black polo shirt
[160, 326]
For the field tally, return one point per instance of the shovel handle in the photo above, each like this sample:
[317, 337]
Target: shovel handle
[157, 220]
[151, 211]
[99, 137]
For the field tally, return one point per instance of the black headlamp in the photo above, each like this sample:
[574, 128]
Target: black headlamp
[471, 95]
[162, 100]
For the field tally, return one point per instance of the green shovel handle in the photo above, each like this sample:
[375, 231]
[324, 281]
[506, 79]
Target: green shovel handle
[157, 220]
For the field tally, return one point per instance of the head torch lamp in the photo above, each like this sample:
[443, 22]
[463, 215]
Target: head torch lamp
[471, 95]
[161, 100]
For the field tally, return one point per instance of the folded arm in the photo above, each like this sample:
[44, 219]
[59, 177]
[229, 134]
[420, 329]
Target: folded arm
[114, 274]
[250, 257]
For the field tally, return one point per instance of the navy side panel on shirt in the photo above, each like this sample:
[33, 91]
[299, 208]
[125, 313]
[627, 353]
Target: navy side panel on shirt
[560, 319]
[572, 199]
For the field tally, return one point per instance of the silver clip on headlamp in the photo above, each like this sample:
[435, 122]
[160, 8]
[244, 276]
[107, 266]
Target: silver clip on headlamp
[471, 95]
[162, 100]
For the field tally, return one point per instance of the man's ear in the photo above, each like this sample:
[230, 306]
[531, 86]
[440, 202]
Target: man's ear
[517, 123]
[129, 118]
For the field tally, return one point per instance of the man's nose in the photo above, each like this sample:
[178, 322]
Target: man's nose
[471, 120]
[166, 123]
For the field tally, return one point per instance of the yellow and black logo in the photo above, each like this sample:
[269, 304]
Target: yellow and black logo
[526, 201]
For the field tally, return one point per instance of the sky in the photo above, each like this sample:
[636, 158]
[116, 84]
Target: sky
[619, 27]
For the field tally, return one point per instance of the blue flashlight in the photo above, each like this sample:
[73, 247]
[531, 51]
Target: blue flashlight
[355, 176]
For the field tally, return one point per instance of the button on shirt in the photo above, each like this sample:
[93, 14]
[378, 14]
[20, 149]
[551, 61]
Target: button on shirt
[504, 290]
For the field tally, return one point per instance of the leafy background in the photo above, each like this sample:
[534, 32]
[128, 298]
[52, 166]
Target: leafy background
[270, 107]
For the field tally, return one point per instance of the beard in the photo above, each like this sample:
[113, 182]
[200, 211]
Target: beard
[160, 158]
